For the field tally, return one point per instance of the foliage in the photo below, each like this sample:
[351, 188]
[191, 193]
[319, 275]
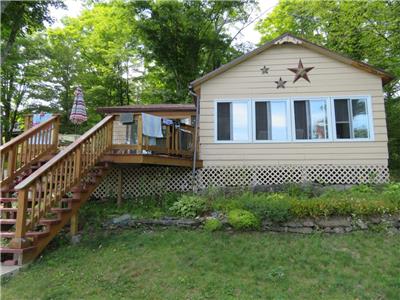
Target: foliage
[189, 206]
[21, 17]
[212, 224]
[273, 207]
[362, 200]
[241, 219]
[186, 39]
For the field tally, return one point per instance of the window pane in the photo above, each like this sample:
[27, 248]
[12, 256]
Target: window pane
[342, 118]
[341, 110]
[278, 120]
[261, 121]
[300, 116]
[360, 118]
[319, 119]
[343, 130]
[240, 122]
[224, 121]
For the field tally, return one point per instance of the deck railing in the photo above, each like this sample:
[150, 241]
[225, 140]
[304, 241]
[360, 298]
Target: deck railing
[30, 146]
[178, 140]
[48, 185]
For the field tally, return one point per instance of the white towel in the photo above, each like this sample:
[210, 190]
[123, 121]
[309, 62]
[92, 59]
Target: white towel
[151, 126]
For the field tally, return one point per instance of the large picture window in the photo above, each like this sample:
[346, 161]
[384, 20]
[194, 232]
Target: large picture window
[271, 120]
[233, 121]
[351, 118]
[311, 119]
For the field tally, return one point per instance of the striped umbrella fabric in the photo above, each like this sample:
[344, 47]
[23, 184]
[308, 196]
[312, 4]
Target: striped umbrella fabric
[78, 112]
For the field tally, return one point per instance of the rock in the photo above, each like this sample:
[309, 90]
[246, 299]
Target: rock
[121, 220]
[76, 239]
[334, 222]
[293, 224]
[374, 219]
[338, 230]
[308, 223]
[303, 230]
[348, 229]
[393, 231]
[361, 224]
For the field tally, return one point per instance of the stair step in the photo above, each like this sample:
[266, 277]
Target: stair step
[16, 251]
[7, 200]
[60, 210]
[8, 209]
[49, 221]
[10, 262]
[28, 234]
[7, 221]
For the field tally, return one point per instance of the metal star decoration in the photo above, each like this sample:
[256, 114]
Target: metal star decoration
[264, 70]
[280, 83]
[301, 72]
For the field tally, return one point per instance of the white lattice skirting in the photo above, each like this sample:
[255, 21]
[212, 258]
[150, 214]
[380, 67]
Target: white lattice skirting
[156, 180]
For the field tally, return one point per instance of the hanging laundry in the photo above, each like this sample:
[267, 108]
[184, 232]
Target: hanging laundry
[167, 122]
[40, 118]
[126, 118]
[151, 126]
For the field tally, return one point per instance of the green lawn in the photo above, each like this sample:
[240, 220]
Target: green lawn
[179, 264]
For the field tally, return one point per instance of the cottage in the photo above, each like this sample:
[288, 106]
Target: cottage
[289, 111]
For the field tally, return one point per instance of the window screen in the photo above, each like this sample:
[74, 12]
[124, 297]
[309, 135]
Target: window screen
[224, 121]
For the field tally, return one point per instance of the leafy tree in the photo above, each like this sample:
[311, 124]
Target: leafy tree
[21, 17]
[186, 39]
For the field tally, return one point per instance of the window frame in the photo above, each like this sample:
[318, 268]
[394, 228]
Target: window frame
[249, 116]
[288, 121]
[370, 118]
[328, 114]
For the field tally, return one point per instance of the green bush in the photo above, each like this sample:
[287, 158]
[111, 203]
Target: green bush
[189, 206]
[212, 225]
[275, 207]
[241, 219]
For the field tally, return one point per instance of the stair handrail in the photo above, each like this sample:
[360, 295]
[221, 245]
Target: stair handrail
[27, 148]
[47, 185]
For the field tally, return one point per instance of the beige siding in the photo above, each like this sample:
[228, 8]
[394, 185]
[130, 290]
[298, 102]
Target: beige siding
[328, 78]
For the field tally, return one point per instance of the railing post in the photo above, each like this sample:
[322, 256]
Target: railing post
[12, 155]
[56, 131]
[140, 134]
[19, 241]
[78, 163]
[27, 122]
[110, 136]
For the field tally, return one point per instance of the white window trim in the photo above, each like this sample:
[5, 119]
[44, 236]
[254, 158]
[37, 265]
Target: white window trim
[288, 121]
[249, 116]
[369, 114]
[329, 116]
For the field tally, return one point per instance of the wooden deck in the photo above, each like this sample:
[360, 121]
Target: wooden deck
[151, 159]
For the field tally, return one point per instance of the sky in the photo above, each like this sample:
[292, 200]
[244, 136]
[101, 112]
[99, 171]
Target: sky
[249, 34]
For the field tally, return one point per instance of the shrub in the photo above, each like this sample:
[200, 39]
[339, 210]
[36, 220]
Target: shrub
[189, 206]
[275, 207]
[241, 219]
[212, 225]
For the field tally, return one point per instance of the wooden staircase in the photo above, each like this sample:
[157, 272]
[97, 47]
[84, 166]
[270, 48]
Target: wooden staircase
[41, 193]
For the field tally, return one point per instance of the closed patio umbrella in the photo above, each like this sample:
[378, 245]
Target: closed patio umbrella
[78, 112]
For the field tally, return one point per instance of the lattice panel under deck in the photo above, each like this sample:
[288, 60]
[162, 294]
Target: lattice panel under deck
[268, 175]
[156, 180]
[145, 181]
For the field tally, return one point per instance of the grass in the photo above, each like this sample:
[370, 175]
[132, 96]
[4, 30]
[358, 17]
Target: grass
[179, 264]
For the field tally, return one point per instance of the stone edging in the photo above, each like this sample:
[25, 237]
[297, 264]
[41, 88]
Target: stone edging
[334, 224]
